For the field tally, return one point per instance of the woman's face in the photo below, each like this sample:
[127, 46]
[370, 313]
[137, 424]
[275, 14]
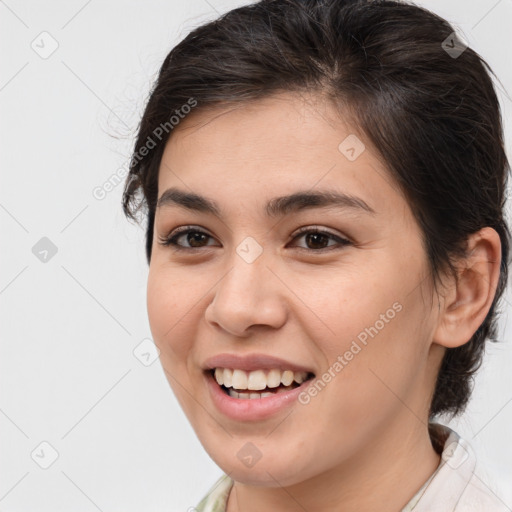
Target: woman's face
[356, 313]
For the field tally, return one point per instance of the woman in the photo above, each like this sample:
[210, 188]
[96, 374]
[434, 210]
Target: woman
[324, 186]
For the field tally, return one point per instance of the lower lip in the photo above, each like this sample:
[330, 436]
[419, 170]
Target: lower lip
[251, 409]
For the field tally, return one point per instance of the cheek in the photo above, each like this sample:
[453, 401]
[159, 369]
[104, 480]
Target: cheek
[167, 306]
[159, 303]
[172, 324]
[372, 333]
[382, 363]
[345, 305]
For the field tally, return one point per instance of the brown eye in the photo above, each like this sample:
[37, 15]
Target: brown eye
[317, 240]
[193, 236]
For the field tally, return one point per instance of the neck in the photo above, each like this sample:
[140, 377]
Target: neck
[384, 476]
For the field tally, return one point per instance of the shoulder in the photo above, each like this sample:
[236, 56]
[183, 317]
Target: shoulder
[480, 494]
[460, 484]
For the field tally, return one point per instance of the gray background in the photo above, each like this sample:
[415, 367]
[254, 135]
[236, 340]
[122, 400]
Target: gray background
[70, 325]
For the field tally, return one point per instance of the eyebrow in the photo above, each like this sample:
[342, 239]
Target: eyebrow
[277, 206]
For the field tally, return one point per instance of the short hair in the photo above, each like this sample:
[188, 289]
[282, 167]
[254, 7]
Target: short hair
[432, 113]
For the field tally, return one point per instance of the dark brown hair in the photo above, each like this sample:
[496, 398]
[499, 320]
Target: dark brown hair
[433, 116]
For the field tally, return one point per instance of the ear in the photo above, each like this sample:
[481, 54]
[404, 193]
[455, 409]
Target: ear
[465, 305]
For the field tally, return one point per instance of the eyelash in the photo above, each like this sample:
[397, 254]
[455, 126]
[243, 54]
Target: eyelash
[171, 239]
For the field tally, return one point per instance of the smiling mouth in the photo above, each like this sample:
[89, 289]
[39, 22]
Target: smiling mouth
[271, 389]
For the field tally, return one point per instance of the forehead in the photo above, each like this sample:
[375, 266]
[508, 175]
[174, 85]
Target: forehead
[282, 143]
[280, 125]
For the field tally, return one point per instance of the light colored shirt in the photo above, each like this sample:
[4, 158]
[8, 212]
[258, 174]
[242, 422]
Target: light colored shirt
[453, 487]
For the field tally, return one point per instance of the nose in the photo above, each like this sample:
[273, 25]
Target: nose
[247, 296]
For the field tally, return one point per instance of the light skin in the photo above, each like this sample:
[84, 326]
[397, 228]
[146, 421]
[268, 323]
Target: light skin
[367, 429]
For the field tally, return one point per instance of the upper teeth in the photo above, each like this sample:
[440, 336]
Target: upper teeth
[258, 379]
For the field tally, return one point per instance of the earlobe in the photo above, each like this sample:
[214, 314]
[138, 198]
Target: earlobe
[466, 304]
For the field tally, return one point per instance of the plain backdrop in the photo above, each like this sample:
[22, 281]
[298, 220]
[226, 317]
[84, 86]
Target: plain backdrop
[86, 422]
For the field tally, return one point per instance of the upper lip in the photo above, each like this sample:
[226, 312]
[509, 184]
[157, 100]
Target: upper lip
[252, 362]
